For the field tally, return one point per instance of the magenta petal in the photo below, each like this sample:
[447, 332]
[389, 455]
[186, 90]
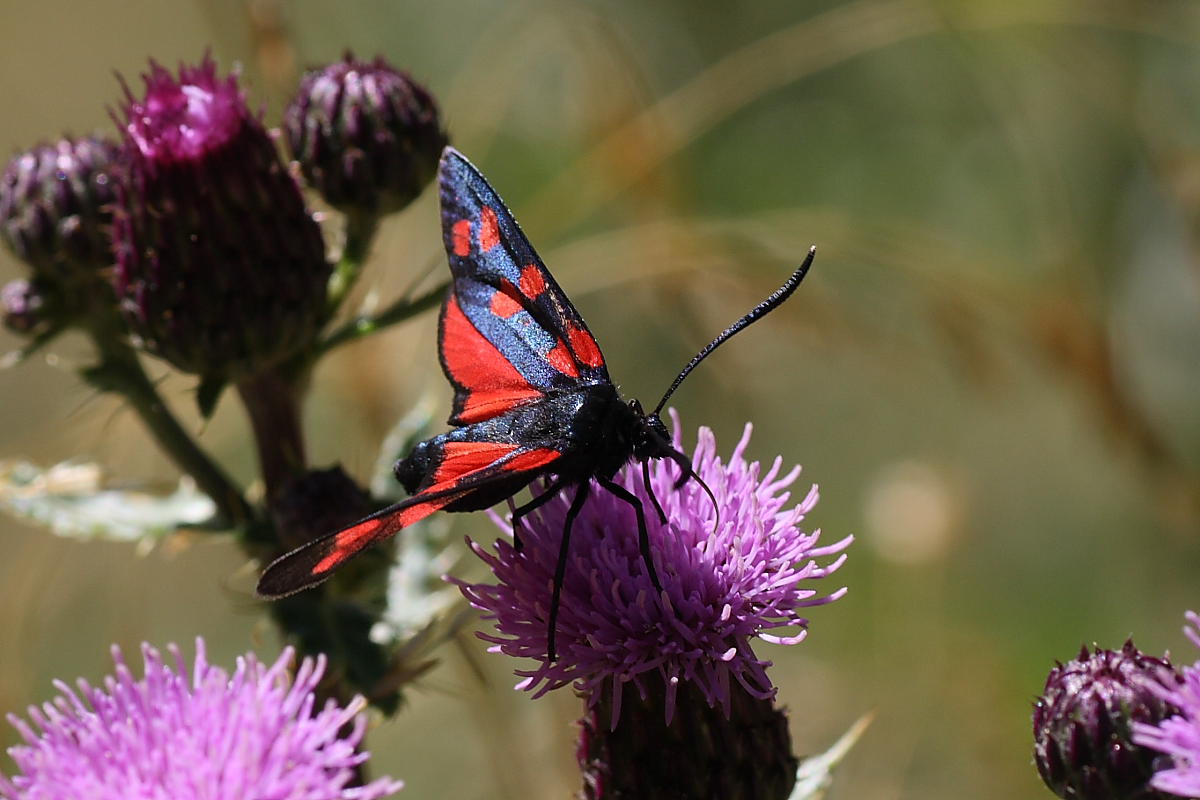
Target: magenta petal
[1178, 736]
[255, 733]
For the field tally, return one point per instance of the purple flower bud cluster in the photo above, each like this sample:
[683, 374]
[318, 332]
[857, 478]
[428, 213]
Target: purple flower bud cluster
[220, 267]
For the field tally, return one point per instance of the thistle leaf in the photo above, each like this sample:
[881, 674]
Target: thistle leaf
[208, 394]
[815, 775]
[70, 500]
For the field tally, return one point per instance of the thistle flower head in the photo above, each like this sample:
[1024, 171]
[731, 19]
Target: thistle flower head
[1178, 736]
[55, 209]
[724, 582]
[1082, 723]
[366, 135]
[184, 118]
[168, 736]
[220, 268]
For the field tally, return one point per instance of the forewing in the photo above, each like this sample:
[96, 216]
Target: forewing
[463, 470]
[508, 334]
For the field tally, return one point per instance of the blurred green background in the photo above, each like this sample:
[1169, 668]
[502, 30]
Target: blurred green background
[992, 371]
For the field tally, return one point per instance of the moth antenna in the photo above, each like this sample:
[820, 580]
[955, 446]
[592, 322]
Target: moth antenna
[772, 302]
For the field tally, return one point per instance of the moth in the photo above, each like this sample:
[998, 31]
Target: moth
[532, 397]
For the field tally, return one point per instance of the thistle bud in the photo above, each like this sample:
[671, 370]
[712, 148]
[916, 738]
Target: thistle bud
[55, 208]
[317, 502]
[366, 136]
[29, 307]
[220, 267]
[1082, 724]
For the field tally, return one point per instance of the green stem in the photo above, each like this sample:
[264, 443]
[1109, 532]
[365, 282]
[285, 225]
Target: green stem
[360, 232]
[121, 371]
[402, 309]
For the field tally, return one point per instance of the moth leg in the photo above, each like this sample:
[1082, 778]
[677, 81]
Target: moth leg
[712, 498]
[560, 570]
[689, 474]
[548, 494]
[643, 535]
[650, 492]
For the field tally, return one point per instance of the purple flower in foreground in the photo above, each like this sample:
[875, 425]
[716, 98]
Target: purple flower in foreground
[721, 587]
[1178, 736]
[255, 734]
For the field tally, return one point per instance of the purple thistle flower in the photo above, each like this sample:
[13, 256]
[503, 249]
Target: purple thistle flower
[1178, 736]
[721, 587]
[255, 734]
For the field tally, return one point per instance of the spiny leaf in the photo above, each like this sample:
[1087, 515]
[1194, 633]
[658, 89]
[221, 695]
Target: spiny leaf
[208, 394]
[816, 772]
[70, 500]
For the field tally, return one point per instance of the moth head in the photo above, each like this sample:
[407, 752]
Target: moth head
[651, 439]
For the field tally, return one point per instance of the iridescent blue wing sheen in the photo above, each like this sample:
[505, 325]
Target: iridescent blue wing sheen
[508, 335]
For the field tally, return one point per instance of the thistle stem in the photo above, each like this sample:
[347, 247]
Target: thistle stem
[360, 232]
[272, 401]
[121, 371]
[402, 309]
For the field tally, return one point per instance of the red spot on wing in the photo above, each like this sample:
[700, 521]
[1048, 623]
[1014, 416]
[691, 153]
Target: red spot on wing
[460, 458]
[489, 229]
[560, 358]
[503, 304]
[532, 281]
[490, 384]
[461, 235]
[585, 347]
